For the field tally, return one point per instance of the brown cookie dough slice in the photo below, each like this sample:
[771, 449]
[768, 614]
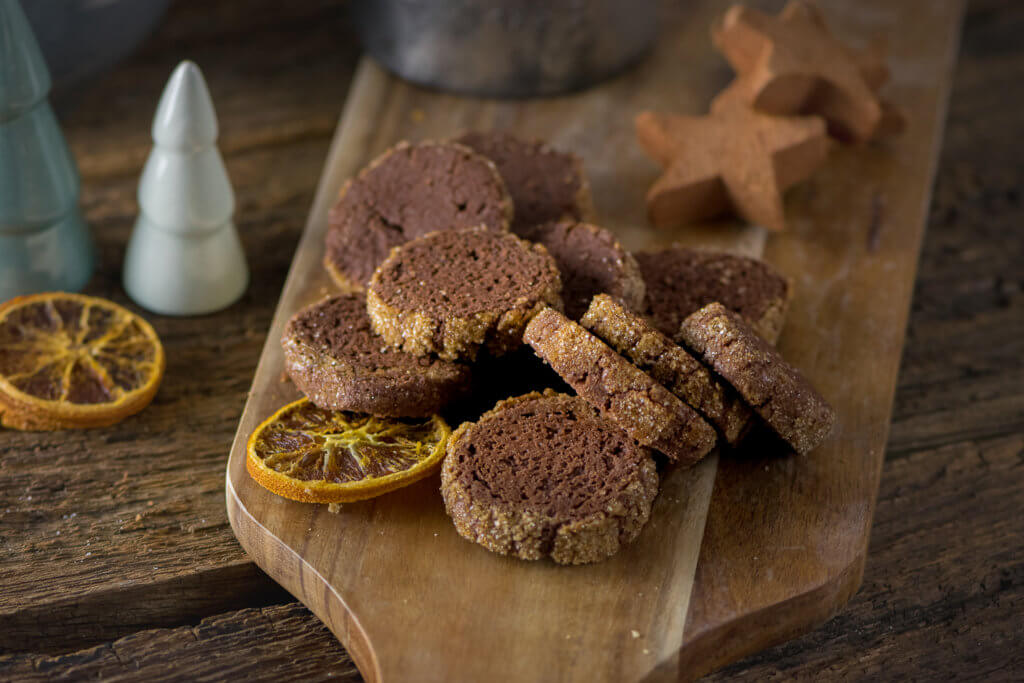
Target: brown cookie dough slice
[670, 364]
[545, 184]
[335, 359]
[405, 193]
[543, 475]
[453, 291]
[680, 280]
[776, 390]
[591, 261]
[647, 411]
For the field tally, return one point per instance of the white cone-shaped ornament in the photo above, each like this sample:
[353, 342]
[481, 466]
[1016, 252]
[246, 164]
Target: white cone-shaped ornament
[184, 256]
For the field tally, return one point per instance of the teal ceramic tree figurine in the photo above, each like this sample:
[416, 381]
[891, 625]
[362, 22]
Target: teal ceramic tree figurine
[44, 243]
[184, 256]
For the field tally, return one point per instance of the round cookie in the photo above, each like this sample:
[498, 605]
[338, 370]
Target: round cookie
[335, 359]
[453, 291]
[621, 392]
[670, 364]
[543, 475]
[405, 193]
[545, 184]
[591, 261]
[776, 390]
[680, 280]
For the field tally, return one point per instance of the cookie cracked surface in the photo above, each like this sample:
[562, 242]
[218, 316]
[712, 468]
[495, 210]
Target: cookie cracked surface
[543, 475]
[620, 391]
[335, 359]
[776, 390]
[454, 291]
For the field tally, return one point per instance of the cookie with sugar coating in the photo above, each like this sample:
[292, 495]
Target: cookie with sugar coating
[776, 390]
[335, 359]
[543, 475]
[455, 291]
[620, 391]
[406, 192]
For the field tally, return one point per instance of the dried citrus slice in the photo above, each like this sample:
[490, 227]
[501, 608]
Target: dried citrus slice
[323, 456]
[69, 360]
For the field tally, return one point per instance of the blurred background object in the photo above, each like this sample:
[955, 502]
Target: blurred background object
[506, 48]
[80, 38]
[44, 242]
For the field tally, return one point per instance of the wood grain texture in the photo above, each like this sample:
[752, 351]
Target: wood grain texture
[105, 532]
[785, 541]
[277, 644]
[804, 543]
[944, 584]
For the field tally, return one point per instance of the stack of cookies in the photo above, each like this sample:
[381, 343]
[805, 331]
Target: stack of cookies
[457, 256]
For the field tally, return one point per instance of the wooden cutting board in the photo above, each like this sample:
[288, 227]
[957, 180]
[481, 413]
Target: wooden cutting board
[742, 551]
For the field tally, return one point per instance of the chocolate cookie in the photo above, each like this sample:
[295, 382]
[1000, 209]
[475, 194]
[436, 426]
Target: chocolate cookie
[647, 411]
[543, 475]
[335, 359]
[774, 389]
[545, 184]
[451, 292]
[405, 193]
[679, 281]
[591, 261]
[669, 363]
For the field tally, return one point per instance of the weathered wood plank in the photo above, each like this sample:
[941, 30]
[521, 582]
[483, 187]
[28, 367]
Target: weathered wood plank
[272, 643]
[944, 587]
[277, 72]
[961, 618]
[124, 528]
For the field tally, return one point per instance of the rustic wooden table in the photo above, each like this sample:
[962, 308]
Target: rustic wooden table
[116, 558]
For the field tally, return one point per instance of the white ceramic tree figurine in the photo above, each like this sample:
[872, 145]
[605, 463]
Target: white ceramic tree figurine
[184, 256]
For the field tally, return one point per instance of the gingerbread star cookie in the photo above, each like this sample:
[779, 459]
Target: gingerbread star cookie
[735, 159]
[792, 64]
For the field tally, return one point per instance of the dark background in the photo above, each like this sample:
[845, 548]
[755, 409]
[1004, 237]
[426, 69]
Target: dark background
[116, 557]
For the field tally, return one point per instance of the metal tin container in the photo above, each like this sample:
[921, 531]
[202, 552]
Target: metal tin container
[506, 48]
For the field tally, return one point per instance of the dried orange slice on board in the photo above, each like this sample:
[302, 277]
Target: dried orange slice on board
[314, 455]
[74, 361]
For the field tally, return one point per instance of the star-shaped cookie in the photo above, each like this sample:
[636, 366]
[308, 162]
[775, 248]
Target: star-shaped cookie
[792, 64]
[734, 159]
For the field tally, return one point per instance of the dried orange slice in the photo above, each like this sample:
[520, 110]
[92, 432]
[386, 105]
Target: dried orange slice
[69, 361]
[324, 456]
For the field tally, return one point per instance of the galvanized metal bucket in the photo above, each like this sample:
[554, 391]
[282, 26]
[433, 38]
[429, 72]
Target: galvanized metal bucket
[506, 48]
